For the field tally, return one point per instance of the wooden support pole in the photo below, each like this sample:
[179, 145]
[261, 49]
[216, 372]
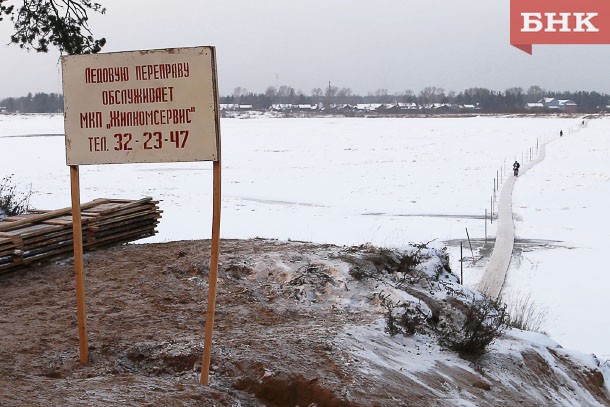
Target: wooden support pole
[485, 227]
[461, 264]
[491, 218]
[470, 244]
[209, 322]
[77, 233]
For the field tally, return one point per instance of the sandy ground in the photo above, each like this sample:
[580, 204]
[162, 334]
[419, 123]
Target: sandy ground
[278, 330]
[146, 310]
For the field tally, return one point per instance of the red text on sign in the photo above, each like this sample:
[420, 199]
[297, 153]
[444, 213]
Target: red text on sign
[156, 137]
[122, 141]
[149, 117]
[91, 120]
[179, 137]
[136, 96]
[97, 144]
[105, 75]
[162, 71]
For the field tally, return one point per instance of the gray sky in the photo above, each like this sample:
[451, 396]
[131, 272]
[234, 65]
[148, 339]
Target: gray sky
[361, 44]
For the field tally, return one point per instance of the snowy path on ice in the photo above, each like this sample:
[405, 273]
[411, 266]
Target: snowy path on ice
[495, 273]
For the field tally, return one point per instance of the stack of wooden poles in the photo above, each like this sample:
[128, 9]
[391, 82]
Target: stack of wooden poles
[40, 235]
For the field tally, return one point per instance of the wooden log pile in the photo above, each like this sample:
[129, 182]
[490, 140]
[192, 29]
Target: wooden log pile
[40, 235]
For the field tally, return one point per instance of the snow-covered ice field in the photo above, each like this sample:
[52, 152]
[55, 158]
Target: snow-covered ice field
[566, 198]
[383, 181]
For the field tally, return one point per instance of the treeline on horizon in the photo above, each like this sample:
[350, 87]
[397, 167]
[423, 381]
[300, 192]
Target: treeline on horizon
[512, 100]
[38, 103]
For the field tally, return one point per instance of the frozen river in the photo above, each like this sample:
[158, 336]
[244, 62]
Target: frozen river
[351, 181]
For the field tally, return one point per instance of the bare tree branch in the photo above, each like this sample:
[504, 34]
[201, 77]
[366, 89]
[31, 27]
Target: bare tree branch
[60, 23]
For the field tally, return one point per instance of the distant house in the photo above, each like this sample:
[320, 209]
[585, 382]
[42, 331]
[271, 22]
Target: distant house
[229, 106]
[442, 107]
[534, 107]
[549, 102]
[306, 107]
[390, 108]
[408, 106]
[289, 107]
[2, 109]
[281, 107]
[234, 106]
[368, 107]
[469, 108]
[568, 106]
[561, 105]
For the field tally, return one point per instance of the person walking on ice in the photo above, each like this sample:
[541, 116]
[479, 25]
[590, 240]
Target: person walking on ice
[560, 133]
[516, 166]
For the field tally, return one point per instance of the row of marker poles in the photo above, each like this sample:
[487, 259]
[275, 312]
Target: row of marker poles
[500, 174]
[499, 179]
[497, 182]
[531, 153]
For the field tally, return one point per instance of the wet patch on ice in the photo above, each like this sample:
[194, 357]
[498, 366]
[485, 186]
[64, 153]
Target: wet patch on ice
[34, 135]
[424, 215]
[528, 245]
[281, 203]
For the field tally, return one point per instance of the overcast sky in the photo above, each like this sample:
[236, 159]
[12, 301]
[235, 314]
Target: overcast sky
[361, 44]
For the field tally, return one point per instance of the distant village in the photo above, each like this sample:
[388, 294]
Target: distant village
[286, 101]
[545, 105]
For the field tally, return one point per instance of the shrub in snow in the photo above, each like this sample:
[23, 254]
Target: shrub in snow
[410, 270]
[378, 261]
[433, 302]
[475, 325]
[405, 266]
[403, 317]
[12, 202]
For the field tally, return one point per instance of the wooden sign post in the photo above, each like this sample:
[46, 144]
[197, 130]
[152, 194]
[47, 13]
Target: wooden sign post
[79, 265]
[150, 106]
[209, 320]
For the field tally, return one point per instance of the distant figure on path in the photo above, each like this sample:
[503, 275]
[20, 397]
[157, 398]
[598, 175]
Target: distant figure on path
[560, 133]
[516, 166]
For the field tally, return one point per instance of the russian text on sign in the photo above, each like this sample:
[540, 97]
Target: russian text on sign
[141, 106]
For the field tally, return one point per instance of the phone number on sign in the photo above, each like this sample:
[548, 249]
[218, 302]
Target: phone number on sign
[148, 140]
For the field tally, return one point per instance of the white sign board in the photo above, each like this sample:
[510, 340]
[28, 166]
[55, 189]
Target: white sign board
[141, 106]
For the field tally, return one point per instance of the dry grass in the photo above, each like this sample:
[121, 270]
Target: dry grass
[12, 202]
[525, 314]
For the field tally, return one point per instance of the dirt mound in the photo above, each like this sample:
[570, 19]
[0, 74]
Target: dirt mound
[296, 324]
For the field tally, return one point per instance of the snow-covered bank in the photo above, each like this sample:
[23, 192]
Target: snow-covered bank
[299, 320]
